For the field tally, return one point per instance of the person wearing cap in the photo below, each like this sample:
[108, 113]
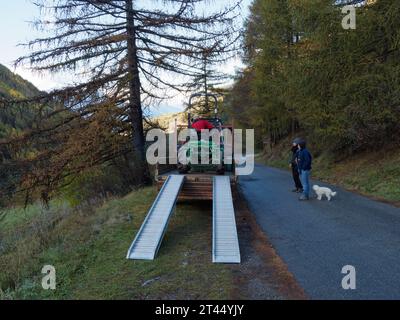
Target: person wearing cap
[202, 124]
[304, 163]
[295, 169]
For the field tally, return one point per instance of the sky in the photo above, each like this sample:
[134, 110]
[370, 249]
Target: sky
[16, 27]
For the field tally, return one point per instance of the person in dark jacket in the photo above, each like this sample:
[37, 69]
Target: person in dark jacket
[295, 169]
[304, 164]
[200, 125]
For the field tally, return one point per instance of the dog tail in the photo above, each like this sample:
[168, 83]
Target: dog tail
[334, 194]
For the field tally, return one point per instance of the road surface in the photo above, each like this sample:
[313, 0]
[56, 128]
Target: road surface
[317, 239]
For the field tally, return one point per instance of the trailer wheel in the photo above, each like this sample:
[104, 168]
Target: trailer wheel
[183, 169]
[221, 170]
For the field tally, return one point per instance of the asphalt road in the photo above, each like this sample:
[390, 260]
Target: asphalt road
[317, 239]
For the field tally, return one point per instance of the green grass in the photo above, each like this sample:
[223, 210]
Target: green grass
[88, 250]
[375, 174]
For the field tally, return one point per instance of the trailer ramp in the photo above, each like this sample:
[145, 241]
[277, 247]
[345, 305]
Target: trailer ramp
[225, 239]
[148, 239]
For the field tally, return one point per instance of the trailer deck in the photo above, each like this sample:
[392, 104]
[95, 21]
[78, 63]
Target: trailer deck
[197, 186]
[190, 187]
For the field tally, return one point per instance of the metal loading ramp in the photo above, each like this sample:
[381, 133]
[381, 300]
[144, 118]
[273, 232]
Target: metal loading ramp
[148, 239]
[225, 239]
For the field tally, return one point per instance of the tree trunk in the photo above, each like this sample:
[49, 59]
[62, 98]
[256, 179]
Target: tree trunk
[135, 110]
[207, 109]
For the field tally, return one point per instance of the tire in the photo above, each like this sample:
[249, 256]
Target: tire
[221, 170]
[183, 169]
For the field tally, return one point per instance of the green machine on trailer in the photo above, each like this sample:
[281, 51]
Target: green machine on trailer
[207, 149]
[194, 181]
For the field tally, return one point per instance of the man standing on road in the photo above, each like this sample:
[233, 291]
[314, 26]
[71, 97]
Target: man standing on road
[295, 169]
[304, 163]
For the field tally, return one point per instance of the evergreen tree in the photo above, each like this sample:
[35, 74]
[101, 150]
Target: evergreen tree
[304, 70]
[124, 54]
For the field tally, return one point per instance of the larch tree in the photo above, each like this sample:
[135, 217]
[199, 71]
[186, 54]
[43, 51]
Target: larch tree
[341, 86]
[124, 55]
[208, 82]
[271, 33]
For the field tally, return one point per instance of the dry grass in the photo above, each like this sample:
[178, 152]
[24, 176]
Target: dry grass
[88, 249]
[375, 173]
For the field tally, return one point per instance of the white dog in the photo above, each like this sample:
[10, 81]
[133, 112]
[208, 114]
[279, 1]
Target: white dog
[320, 191]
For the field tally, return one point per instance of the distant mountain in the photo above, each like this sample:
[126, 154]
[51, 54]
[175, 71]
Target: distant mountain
[169, 120]
[14, 86]
[13, 118]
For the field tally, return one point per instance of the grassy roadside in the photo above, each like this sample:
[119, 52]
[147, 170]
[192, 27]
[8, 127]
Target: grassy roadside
[88, 249]
[375, 174]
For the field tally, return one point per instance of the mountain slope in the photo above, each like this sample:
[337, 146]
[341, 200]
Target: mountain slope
[14, 86]
[13, 118]
[375, 173]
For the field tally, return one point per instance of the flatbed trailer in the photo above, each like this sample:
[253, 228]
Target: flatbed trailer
[174, 186]
[225, 243]
[196, 186]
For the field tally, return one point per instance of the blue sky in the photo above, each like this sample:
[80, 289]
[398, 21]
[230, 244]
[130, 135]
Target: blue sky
[14, 17]
[16, 28]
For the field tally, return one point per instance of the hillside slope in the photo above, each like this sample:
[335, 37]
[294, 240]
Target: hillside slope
[88, 246]
[14, 86]
[373, 173]
[13, 118]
